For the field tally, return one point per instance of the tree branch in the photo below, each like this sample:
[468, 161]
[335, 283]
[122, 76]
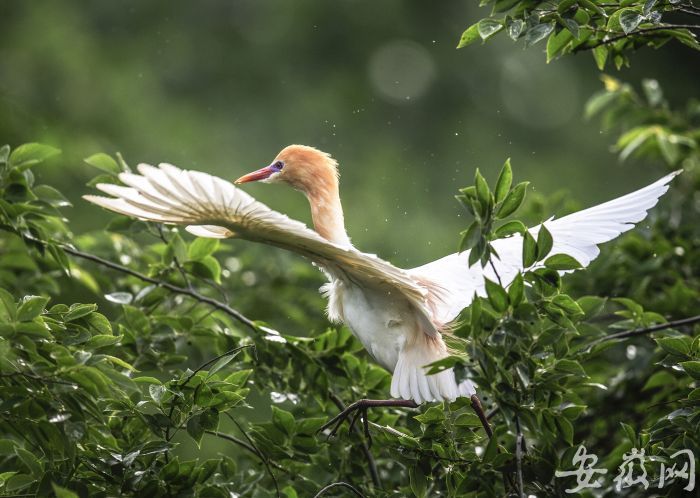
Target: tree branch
[261, 455]
[235, 314]
[339, 484]
[365, 448]
[648, 330]
[243, 444]
[641, 32]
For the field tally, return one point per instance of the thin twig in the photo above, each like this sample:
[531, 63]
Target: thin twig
[498, 277]
[648, 330]
[365, 448]
[242, 444]
[215, 359]
[176, 261]
[173, 404]
[263, 457]
[642, 31]
[519, 442]
[339, 484]
[235, 314]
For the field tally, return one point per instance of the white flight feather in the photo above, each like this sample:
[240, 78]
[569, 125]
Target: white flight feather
[577, 235]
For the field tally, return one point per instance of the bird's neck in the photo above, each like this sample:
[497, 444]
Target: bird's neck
[327, 213]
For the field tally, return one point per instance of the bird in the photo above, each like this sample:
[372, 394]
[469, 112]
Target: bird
[399, 315]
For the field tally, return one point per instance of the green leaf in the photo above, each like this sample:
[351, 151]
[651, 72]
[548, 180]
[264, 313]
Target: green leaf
[482, 190]
[147, 380]
[8, 309]
[629, 20]
[63, 492]
[557, 42]
[201, 248]
[572, 411]
[496, 295]
[239, 378]
[102, 340]
[488, 27]
[561, 262]
[692, 368]
[417, 481]
[78, 311]
[570, 366]
[31, 461]
[156, 392]
[600, 54]
[504, 5]
[538, 33]
[27, 155]
[544, 242]
[49, 194]
[104, 162]
[119, 362]
[19, 481]
[209, 419]
[573, 27]
[648, 6]
[431, 416]
[675, 345]
[195, 428]
[566, 429]
[31, 307]
[630, 433]
[283, 420]
[529, 250]
[119, 297]
[513, 200]
[470, 236]
[515, 28]
[565, 302]
[514, 226]
[505, 178]
[516, 290]
[470, 35]
[221, 363]
[289, 492]
[4, 154]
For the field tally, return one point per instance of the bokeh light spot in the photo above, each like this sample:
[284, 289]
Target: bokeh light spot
[401, 70]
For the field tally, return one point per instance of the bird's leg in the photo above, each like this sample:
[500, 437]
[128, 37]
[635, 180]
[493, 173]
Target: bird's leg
[360, 408]
[479, 410]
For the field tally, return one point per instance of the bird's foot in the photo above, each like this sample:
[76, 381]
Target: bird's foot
[359, 409]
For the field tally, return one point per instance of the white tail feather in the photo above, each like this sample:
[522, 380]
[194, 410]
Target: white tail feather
[411, 381]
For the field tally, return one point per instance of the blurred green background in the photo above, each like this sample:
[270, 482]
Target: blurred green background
[223, 85]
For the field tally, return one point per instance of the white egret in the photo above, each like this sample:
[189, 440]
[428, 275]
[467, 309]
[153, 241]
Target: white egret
[398, 315]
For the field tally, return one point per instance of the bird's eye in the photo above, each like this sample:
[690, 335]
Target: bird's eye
[278, 165]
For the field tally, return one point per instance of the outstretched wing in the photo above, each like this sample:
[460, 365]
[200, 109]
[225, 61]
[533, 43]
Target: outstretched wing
[213, 207]
[577, 235]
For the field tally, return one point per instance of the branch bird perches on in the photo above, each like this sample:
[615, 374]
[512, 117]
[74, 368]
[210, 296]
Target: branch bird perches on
[398, 315]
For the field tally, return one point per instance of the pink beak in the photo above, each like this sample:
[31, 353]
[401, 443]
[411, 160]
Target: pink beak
[258, 175]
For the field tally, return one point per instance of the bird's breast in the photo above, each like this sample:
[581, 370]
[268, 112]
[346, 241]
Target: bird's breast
[379, 319]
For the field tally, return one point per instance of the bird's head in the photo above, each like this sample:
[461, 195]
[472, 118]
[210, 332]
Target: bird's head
[304, 168]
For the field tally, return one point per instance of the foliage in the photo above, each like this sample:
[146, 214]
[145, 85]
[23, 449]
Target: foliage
[104, 402]
[128, 365]
[610, 30]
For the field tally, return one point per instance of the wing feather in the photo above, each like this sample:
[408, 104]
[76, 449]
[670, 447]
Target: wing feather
[577, 235]
[213, 207]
